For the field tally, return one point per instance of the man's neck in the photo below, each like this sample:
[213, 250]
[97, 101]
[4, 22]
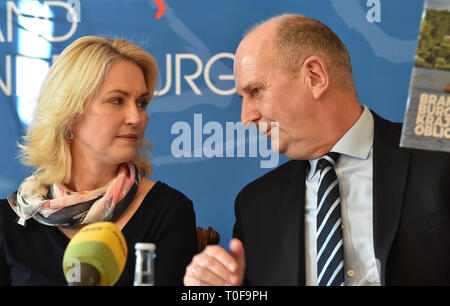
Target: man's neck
[341, 111]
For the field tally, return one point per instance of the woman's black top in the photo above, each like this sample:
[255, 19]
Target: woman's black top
[33, 254]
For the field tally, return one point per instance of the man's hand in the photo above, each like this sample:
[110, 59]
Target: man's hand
[215, 267]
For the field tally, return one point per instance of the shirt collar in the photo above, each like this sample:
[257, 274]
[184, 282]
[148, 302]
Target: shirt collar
[357, 142]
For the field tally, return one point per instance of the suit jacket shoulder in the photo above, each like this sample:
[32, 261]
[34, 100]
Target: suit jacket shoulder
[269, 217]
[411, 209]
[286, 171]
[386, 131]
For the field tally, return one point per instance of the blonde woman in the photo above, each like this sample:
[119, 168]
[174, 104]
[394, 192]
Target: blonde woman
[86, 143]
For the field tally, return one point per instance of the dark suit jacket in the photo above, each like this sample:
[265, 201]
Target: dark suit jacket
[411, 216]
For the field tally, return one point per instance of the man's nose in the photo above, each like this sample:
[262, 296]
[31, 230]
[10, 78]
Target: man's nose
[249, 112]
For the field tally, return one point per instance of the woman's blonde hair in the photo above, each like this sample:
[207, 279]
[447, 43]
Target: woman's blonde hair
[72, 81]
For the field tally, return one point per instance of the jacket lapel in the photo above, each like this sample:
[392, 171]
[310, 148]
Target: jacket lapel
[390, 165]
[292, 206]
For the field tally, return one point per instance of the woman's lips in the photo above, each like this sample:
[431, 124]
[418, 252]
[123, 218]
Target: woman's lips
[129, 137]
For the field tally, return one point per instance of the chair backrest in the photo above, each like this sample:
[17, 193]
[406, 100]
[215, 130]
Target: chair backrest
[206, 237]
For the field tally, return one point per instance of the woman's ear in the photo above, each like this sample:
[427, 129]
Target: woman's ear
[317, 77]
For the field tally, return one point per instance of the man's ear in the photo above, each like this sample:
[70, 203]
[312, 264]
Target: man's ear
[317, 77]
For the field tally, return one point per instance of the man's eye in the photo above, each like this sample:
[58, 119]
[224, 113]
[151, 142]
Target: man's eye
[256, 90]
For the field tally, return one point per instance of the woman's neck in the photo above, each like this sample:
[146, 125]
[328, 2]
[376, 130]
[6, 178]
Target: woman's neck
[90, 176]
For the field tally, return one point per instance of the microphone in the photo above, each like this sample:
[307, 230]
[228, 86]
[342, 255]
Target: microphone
[95, 256]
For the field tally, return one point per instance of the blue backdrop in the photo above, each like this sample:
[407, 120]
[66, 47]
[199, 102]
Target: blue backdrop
[193, 42]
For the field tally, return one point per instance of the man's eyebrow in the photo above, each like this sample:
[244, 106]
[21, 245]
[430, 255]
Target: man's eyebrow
[249, 86]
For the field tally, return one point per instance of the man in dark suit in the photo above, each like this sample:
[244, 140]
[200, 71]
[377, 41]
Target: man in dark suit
[351, 207]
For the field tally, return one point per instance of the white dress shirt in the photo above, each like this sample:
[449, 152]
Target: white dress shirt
[354, 173]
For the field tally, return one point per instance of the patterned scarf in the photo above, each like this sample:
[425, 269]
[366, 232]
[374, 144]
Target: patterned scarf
[57, 205]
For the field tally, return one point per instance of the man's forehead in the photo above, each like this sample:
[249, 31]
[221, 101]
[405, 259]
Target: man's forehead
[244, 63]
[259, 38]
[248, 74]
[245, 60]
[254, 50]
[242, 59]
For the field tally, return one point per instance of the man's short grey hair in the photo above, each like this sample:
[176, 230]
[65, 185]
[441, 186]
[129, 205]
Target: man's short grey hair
[298, 37]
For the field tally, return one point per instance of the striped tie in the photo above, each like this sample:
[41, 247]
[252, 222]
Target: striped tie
[330, 257]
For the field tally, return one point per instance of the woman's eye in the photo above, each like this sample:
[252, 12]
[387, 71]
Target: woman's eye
[116, 101]
[142, 104]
